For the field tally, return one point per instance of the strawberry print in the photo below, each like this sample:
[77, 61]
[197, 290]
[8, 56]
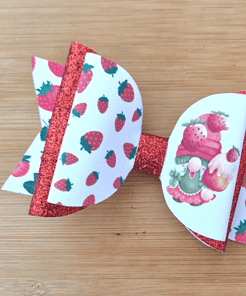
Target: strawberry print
[119, 121]
[85, 77]
[126, 92]
[63, 185]
[90, 200]
[91, 141]
[33, 61]
[22, 167]
[44, 131]
[233, 154]
[111, 158]
[129, 150]
[108, 66]
[68, 158]
[92, 178]
[240, 235]
[195, 135]
[217, 121]
[102, 104]
[56, 69]
[136, 115]
[47, 96]
[118, 182]
[79, 109]
[30, 185]
[59, 204]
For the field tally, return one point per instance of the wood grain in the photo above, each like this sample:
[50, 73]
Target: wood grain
[178, 52]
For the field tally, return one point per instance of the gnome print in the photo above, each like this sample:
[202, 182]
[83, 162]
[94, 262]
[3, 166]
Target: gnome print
[201, 168]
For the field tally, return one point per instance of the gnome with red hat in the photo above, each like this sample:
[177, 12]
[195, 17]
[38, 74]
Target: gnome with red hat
[205, 168]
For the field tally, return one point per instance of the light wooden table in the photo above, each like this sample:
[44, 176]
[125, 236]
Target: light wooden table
[178, 52]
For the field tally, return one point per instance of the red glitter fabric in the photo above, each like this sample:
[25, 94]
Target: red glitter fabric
[150, 154]
[57, 127]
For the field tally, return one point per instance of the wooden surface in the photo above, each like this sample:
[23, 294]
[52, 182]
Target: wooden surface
[178, 52]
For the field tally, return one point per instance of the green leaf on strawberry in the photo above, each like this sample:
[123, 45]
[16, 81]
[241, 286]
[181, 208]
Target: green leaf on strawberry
[45, 88]
[236, 150]
[196, 121]
[121, 116]
[111, 71]
[241, 227]
[103, 99]
[133, 153]
[110, 153]
[43, 133]
[122, 87]
[26, 158]
[86, 67]
[68, 185]
[30, 185]
[75, 113]
[85, 145]
[220, 113]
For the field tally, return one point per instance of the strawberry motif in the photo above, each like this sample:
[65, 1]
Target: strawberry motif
[111, 158]
[129, 150]
[30, 185]
[56, 69]
[126, 92]
[79, 109]
[59, 204]
[68, 158]
[22, 167]
[233, 154]
[119, 122]
[85, 77]
[240, 232]
[102, 104]
[118, 182]
[44, 131]
[108, 66]
[217, 121]
[90, 200]
[136, 115]
[63, 185]
[33, 61]
[92, 178]
[195, 135]
[91, 141]
[47, 96]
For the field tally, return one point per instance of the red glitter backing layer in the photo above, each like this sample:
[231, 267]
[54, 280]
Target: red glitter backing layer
[150, 154]
[57, 127]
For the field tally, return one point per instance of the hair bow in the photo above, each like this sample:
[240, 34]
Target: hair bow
[91, 138]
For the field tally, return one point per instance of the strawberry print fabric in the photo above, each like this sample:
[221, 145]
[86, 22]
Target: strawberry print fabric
[202, 161]
[47, 79]
[101, 135]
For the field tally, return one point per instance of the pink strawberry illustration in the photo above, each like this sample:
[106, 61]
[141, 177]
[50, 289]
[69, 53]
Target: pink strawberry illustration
[68, 158]
[91, 141]
[47, 96]
[63, 185]
[217, 121]
[240, 235]
[136, 115]
[90, 200]
[129, 150]
[111, 158]
[33, 61]
[119, 122]
[92, 178]
[195, 135]
[118, 182]
[56, 69]
[102, 104]
[108, 66]
[59, 204]
[85, 77]
[22, 167]
[233, 154]
[126, 92]
[79, 109]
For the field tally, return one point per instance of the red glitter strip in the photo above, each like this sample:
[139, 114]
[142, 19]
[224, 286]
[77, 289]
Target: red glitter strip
[150, 154]
[57, 127]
